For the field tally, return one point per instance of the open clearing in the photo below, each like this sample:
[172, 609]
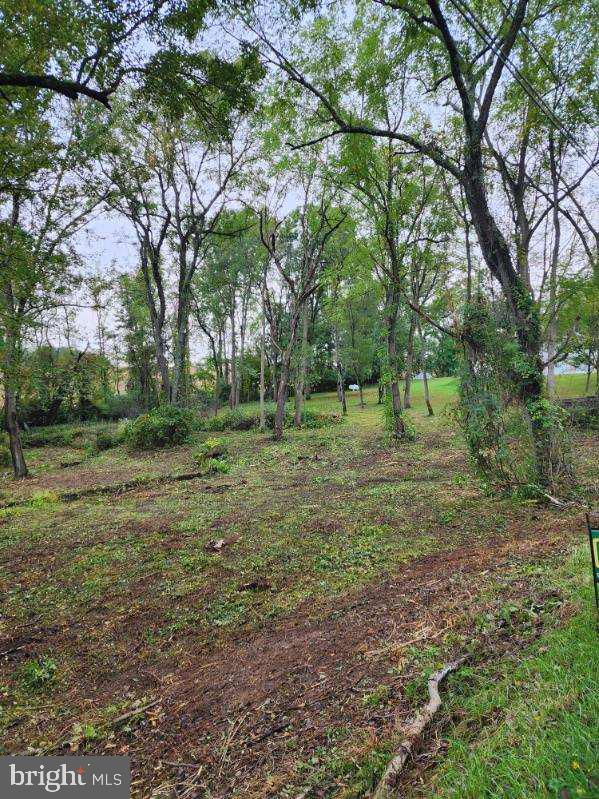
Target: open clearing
[280, 662]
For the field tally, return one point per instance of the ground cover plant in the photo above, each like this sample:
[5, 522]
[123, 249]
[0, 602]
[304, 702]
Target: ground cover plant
[270, 630]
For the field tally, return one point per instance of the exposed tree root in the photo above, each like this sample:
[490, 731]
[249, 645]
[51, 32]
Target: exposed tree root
[386, 787]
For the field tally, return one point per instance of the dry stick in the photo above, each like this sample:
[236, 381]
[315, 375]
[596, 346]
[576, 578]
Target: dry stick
[386, 787]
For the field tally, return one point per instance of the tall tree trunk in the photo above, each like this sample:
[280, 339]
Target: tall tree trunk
[14, 434]
[152, 278]
[180, 355]
[552, 310]
[361, 390]
[339, 370]
[427, 396]
[407, 392]
[302, 368]
[284, 376]
[262, 374]
[11, 335]
[282, 395]
[233, 392]
[399, 428]
[522, 309]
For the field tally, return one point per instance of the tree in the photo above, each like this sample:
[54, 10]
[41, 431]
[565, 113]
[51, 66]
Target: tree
[74, 48]
[442, 46]
[171, 184]
[295, 245]
[45, 201]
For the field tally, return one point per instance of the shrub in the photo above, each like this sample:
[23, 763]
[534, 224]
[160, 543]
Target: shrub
[50, 437]
[239, 419]
[210, 448]
[5, 456]
[230, 420]
[215, 466]
[102, 441]
[211, 456]
[38, 674]
[164, 426]
[584, 417]
[121, 406]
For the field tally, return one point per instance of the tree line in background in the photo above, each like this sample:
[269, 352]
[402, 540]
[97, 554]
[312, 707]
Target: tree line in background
[316, 196]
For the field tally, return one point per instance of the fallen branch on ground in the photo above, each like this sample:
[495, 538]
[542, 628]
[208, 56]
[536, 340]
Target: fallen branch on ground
[120, 488]
[386, 787]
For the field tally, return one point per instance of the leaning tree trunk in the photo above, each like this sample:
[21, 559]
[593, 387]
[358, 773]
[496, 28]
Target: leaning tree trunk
[427, 396]
[549, 458]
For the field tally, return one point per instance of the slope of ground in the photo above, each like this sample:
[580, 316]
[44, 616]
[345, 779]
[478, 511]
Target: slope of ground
[280, 662]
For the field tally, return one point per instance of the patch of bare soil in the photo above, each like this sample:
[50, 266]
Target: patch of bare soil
[235, 722]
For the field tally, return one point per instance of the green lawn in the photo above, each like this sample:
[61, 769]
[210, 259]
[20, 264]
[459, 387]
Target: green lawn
[530, 729]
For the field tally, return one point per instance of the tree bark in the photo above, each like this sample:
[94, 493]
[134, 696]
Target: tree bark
[14, 434]
[399, 428]
[552, 310]
[339, 370]
[407, 392]
[427, 397]
[301, 374]
[282, 395]
[262, 374]
[520, 304]
[233, 392]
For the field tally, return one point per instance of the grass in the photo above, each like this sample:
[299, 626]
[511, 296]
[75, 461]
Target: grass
[530, 731]
[107, 597]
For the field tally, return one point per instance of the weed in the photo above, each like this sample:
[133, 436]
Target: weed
[37, 675]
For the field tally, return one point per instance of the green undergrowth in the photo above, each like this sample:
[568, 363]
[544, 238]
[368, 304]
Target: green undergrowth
[530, 729]
[522, 725]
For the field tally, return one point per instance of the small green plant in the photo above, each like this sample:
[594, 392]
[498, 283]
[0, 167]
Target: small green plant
[377, 697]
[210, 448]
[389, 421]
[5, 456]
[215, 466]
[211, 456]
[36, 675]
[164, 426]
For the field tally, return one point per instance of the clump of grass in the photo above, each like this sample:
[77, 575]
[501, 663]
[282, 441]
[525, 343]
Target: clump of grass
[211, 456]
[37, 675]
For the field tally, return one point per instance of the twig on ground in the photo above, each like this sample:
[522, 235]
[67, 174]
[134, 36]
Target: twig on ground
[386, 787]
